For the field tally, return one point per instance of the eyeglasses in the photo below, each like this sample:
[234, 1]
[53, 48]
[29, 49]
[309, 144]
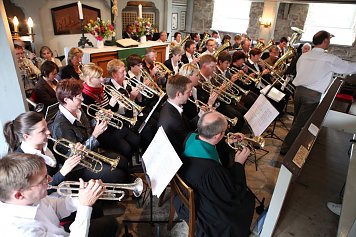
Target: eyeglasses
[44, 181]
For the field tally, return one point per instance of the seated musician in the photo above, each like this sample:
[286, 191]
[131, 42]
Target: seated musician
[215, 35]
[226, 39]
[177, 39]
[46, 54]
[282, 46]
[45, 89]
[28, 133]
[175, 125]
[174, 62]
[207, 71]
[273, 55]
[196, 39]
[189, 56]
[148, 62]
[72, 124]
[237, 42]
[26, 210]
[162, 37]
[245, 46]
[121, 140]
[72, 70]
[210, 47]
[224, 205]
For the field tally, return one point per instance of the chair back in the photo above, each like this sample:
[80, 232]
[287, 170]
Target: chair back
[186, 196]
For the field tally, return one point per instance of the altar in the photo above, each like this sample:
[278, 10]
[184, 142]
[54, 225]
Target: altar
[102, 56]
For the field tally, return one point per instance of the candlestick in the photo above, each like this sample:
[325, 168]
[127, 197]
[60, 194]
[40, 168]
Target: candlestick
[16, 24]
[80, 10]
[30, 25]
[140, 10]
[83, 40]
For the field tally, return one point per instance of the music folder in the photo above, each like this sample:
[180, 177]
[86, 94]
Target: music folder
[127, 43]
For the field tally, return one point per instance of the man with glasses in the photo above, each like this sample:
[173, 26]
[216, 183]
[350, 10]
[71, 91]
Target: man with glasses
[210, 47]
[314, 75]
[26, 210]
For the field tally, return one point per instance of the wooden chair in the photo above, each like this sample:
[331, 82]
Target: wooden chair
[186, 196]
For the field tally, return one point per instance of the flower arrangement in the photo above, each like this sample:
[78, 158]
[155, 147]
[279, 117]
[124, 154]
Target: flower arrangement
[100, 29]
[142, 26]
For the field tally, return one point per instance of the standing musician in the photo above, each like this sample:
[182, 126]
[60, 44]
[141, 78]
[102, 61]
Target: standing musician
[314, 75]
[72, 124]
[210, 47]
[26, 210]
[188, 56]
[174, 62]
[224, 204]
[127, 142]
[215, 35]
[72, 70]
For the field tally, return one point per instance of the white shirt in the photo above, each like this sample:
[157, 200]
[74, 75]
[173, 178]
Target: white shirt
[47, 156]
[315, 69]
[180, 109]
[43, 219]
[68, 114]
[117, 87]
[189, 56]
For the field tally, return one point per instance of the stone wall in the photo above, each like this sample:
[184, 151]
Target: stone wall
[202, 15]
[256, 11]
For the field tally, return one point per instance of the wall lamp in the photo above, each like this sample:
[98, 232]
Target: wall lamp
[265, 23]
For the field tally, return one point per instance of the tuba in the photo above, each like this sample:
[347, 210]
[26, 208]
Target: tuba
[89, 159]
[268, 45]
[186, 37]
[123, 100]
[257, 142]
[206, 108]
[112, 190]
[113, 119]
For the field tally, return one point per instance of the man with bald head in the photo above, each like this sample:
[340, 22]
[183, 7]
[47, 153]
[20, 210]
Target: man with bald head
[224, 205]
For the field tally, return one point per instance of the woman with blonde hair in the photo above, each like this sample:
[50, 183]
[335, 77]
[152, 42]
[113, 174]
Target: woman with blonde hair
[73, 69]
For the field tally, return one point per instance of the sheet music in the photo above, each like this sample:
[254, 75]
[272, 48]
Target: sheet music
[260, 115]
[161, 161]
[274, 93]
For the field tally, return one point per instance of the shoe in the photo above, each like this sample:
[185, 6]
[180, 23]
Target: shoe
[334, 207]
[283, 153]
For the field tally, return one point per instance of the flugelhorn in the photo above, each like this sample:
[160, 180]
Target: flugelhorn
[112, 190]
[163, 69]
[206, 108]
[89, 159]
[126, 102]
[38, 107]
[230, 86]
[152, 84]
[223, 96]
[251, 143]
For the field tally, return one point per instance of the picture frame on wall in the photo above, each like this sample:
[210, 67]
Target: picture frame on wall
[182, 20]
[66, 20]
[174, 21]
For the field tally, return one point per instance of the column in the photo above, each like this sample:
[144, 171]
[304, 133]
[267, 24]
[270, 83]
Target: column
[270, 10]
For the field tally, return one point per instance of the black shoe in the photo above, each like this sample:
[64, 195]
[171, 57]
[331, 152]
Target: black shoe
[283, 153]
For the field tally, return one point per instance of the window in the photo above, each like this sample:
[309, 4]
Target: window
[338, 19]
[231, 16]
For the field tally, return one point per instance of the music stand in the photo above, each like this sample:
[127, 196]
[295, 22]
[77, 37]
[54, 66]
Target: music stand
[151, 221]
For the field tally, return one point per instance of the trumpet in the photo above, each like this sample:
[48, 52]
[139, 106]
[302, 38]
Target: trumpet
[89, 159]
[257, 142]
[231, 86]
[112, 190]
[205, 107]
[163, 69]
[113, 119]
[233, 70]
[153, 85]
[126, 102]
[145, 90]
[38, 107]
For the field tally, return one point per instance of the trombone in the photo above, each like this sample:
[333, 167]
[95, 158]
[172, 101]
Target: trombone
[206, 108]
[89, 159]
[126, 102]
[112, 190]
[257, 142]
[113, 119]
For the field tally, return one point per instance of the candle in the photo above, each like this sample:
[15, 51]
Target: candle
[16, 24]
[80, 10]
[140, 10]
[30, 25]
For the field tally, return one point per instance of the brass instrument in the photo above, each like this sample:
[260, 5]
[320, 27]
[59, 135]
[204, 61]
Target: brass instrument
[223, 95]
[89, 159]
[38, 107]
[145, 90]
[268, 45]
[163, 69]
[202, 42]
[123, 100]
[186, 37]
[220, 49]
[206, 108]
[113, 119]
[112, 190]
[244, 76]
[260, 44]
[153, 85]
[297, 32]
[230, 86]
[257, 142]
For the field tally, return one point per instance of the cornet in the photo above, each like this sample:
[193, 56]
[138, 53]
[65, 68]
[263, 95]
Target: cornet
[113, 119]
[89, 159]
[251, 143]
[112, 190]
[37, 107]
[206, 108]
[123, 100]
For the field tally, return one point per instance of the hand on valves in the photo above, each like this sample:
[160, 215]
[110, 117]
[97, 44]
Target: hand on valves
[90, 192]
[72, 161]
[242, 155]
[100, 127]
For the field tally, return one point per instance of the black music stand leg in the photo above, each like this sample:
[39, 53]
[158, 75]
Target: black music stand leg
[272, 134]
